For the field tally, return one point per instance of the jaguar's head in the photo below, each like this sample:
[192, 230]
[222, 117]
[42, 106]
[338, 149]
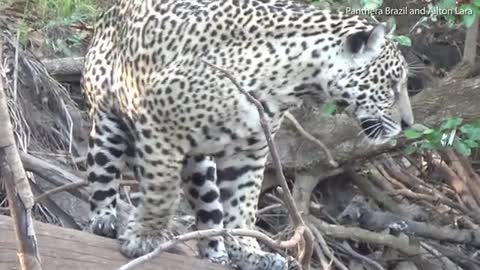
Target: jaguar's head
[373, 90]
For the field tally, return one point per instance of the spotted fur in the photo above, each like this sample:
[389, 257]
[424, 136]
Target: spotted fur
[182, 124]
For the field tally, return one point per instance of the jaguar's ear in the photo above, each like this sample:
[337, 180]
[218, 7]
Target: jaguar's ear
[371, 40]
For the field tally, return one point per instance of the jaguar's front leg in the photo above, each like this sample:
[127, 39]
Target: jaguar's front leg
[158, 166]
[199, 177]
[240, 177]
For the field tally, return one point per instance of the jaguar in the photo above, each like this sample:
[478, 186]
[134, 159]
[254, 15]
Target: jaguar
[159, 105]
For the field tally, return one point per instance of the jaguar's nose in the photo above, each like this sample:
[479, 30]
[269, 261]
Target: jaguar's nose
[405, 124]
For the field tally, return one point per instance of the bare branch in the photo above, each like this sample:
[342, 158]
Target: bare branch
[379, 195]
[60, 189]
[75, 185]
[361, 257]
[326, 249]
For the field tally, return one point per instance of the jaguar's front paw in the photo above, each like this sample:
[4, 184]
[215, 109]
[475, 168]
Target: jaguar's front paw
[134, 245]
[104, 225]
[223, 260]
[256, 259]
[268, 261]
[214, 251]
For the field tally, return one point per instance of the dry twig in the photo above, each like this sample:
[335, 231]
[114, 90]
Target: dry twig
[60, 189]
[75, 185]
[462, 191]
[381, 197]
[323, 245]
[361, 257]
[62, 217]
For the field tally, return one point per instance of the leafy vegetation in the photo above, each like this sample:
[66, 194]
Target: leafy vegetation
[65, 11]
[52, 25]
[464, 138]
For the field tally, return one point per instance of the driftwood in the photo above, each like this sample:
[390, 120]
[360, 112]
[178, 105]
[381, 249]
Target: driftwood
[64, 249]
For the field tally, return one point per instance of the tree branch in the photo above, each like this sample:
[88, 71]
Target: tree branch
[60, 189]
[470, 46]
[20, 196]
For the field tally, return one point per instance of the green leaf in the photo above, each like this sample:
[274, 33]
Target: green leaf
[435, 136]
[468, 15]
[329, 109]
[461, 148]
[476, 3]
[412, 134]
[404, 40]
[472, 132]
[428, 131]
[471, 143]
[451, 123]
[372, 4]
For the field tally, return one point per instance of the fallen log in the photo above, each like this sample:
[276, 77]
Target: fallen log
[64, 69]
[64, 249]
